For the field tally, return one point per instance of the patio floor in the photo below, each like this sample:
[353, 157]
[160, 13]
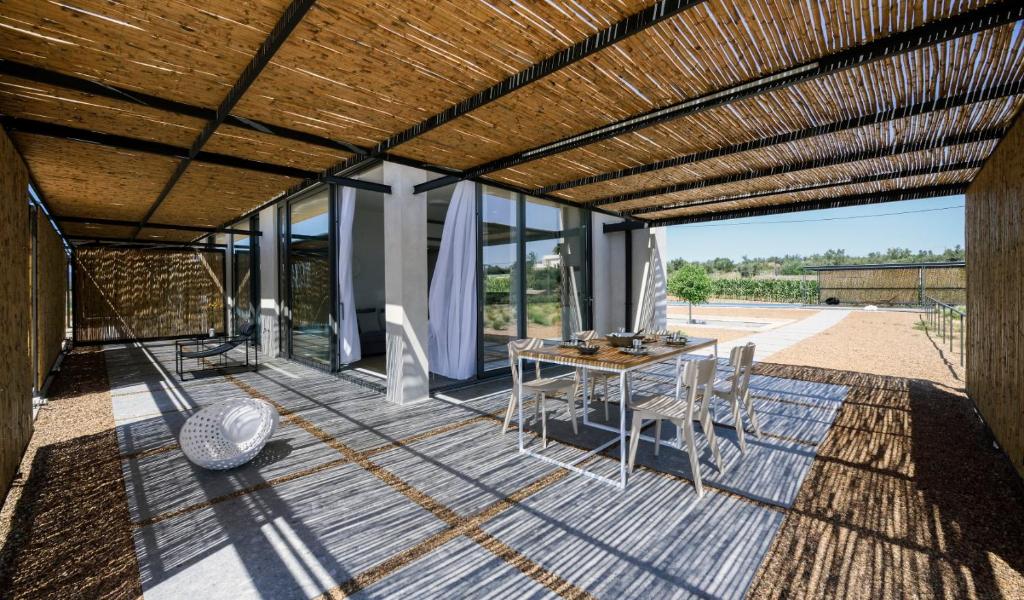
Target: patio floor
[846, 492]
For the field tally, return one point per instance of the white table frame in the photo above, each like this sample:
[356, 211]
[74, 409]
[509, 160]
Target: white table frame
[624, 392]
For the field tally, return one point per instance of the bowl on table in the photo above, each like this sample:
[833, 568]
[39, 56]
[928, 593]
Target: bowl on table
[587, 350]
[623, 340]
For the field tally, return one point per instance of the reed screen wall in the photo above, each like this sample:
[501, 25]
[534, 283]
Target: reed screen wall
[137, 294]
[15, 302]
[995, 284]
[894, 286]
[51, 296]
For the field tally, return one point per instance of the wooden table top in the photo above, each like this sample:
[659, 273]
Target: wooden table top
[609, 358]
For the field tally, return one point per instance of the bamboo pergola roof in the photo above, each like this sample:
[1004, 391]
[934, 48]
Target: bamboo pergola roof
[167, 120]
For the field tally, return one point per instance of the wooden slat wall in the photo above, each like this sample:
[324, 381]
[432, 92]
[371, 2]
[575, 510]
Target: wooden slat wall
[995, 287]
[16, 366]
[136, 294]
[51, 296]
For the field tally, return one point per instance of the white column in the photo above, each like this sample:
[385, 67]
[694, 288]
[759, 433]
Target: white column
[608, 254]
[268, 264]
[405, 285]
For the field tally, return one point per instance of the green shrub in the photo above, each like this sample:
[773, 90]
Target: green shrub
[765, 290]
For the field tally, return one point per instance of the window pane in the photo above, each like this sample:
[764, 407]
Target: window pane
[500, 272]
[555, 272]
[242, 286]
[309, 262]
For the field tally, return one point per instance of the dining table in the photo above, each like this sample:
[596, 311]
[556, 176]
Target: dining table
[607, 359]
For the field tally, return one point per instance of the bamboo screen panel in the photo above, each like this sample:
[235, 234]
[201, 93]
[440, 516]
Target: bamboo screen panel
[137, 294]
[15, 300]
[893, 286]
[995, 284]
[51, 296]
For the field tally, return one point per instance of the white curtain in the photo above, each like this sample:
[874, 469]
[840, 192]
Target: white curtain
[572, 317]
[349, 350]
[452, 297]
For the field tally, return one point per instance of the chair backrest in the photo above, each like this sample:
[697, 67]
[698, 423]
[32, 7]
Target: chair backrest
[514, 348]
[247, 331]
[741, 359]
[587, 335]
[697, 377]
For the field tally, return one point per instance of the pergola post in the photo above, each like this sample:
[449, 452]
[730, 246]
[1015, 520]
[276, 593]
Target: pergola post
[405, 285]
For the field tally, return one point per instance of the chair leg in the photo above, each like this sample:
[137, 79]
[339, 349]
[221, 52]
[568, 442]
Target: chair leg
[508, 412]
[709, 431]
[737, 418]
[634, 439]
[543, 420]
[572, 413]
[691, 449]
[605, 398]
[657, 436]
[752, 415]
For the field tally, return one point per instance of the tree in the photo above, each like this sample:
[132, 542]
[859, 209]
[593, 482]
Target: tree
[691, 283]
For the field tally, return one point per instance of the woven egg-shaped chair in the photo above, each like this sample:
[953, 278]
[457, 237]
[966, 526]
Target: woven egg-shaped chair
[228, 434]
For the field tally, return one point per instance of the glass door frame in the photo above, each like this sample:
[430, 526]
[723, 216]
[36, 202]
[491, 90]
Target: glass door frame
[287, 349]
[518, 284]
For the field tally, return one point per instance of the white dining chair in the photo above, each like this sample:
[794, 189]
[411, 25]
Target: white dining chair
[596, 377]
[735, 390]
[541, 388]
[694, 383]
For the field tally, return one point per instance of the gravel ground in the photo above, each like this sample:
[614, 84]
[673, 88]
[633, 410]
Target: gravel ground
[907, 498]
[65, 529]
[881, 343]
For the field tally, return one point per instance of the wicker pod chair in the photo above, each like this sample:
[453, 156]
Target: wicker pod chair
[228, 434]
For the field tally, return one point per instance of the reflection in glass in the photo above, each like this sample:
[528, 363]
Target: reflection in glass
[241, 268]
[554, 269]
[500, 274]
[309, 270]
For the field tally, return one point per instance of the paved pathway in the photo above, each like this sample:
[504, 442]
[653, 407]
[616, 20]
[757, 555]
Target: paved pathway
[774, 340]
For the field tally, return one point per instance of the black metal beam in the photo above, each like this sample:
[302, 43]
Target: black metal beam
[291, 17]
[835, 202]
[912, 110]
[64, 132]
[169, 226]
[842, 159]
[88, 239]
[930, 34]
[359, 184]
[625, 226]
[929, 170]
[631, 25]
[95, 88]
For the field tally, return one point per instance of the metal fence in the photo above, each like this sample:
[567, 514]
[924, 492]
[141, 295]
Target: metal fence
[948, 322]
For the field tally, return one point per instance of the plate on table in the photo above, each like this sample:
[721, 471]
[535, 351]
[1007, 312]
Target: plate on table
[635, 351]
[678, 342]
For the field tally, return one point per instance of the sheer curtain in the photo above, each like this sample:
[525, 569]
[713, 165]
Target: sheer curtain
[452, 296]
[349, 350]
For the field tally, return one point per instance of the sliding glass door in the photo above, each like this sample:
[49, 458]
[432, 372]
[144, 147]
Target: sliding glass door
[310, 294]
[534, 272]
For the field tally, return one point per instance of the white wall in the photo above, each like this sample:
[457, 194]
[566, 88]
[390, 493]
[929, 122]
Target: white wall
[609, 256]
[269, 308]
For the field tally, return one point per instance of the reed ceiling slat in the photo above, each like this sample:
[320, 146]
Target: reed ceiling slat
[28, 99]
[209, 195]
[874, 187]
[86, 230]
[354, 71]
[185, 50]
[89, 180]
[253, 145]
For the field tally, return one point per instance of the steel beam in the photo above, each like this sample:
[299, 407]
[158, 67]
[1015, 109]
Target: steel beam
[290, 19]
[86, 239]
[929, 170]
[843, 159]
[835, 202]
[94, 88]
[941, 104]
[169, 226]
[65, 132]
[930, 34]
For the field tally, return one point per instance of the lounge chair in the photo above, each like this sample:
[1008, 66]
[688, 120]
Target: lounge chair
[204, 350]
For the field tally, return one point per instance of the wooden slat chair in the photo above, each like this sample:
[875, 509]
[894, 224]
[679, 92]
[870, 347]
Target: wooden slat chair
[735, 389]
[694, 388]
[541, 388]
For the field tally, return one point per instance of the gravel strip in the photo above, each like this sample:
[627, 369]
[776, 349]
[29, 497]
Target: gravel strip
[907, 498]
[881, 343]
[65, 527]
